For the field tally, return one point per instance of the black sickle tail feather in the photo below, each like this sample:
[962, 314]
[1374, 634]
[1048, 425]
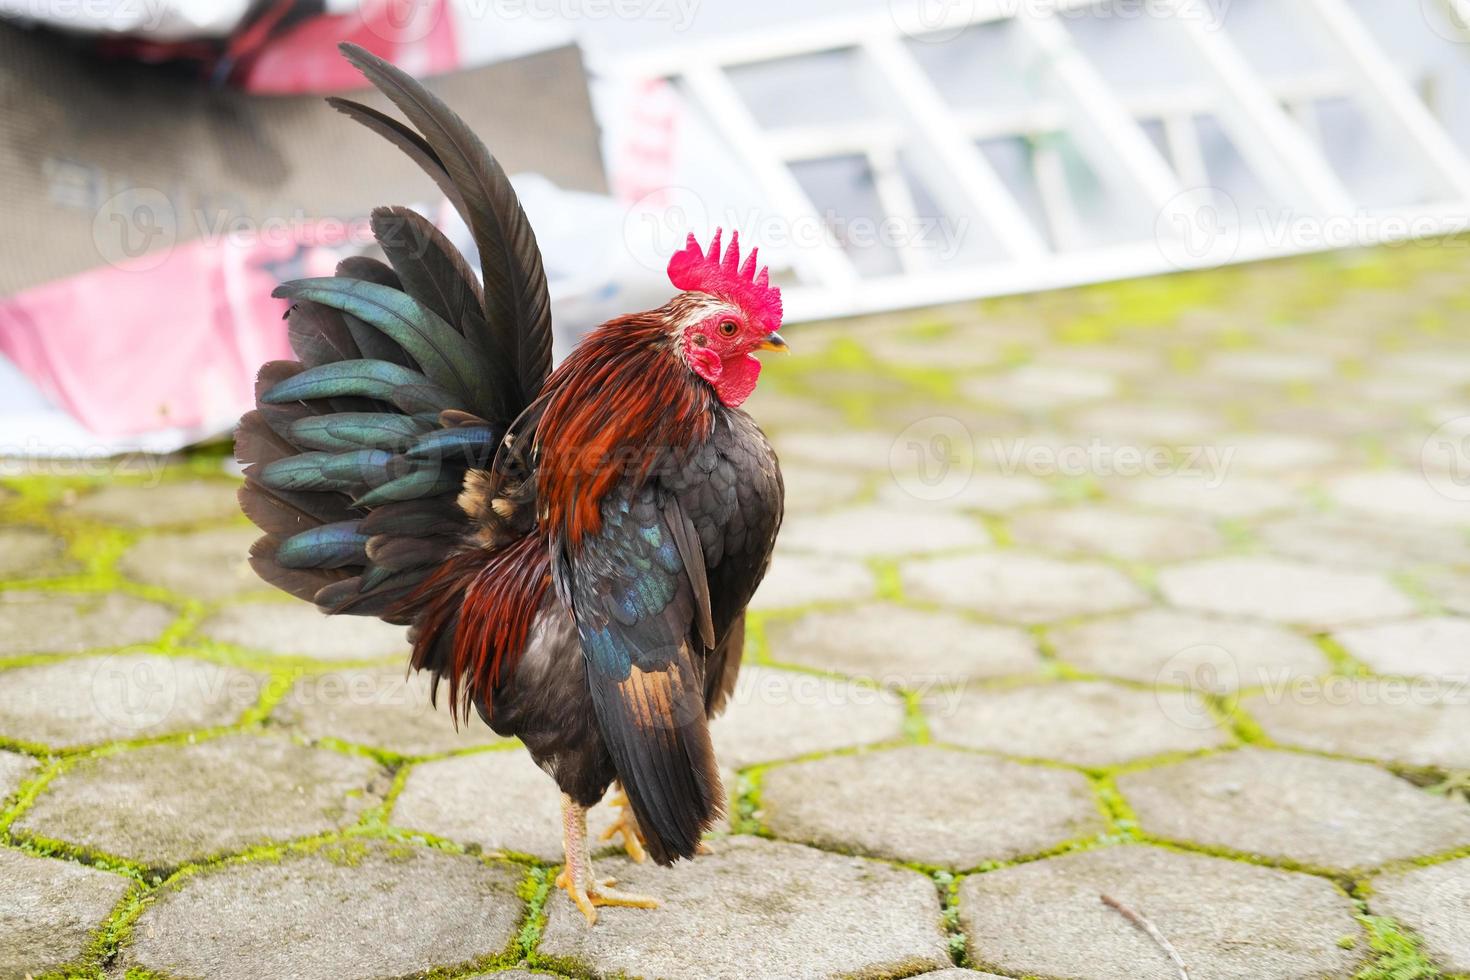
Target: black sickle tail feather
[408, 375]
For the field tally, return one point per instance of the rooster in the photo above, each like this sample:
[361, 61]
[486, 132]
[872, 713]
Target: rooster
[573, 549]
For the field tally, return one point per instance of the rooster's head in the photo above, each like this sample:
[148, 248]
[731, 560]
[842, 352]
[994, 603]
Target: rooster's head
[728, 311]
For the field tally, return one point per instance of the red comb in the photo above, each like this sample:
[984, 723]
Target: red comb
[695, 271]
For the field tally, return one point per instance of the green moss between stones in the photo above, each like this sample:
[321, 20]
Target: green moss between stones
[1396, 952]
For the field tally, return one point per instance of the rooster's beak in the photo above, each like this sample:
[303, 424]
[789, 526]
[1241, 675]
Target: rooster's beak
[774, 342]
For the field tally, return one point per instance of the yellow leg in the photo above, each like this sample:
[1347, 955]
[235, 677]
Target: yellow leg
[627, 825]
[586, 891]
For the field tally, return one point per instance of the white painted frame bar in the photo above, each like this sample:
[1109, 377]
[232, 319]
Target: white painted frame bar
[934, 129]
[1381, 86]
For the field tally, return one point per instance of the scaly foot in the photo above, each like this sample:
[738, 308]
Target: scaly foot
[627, 825]
[586, 891]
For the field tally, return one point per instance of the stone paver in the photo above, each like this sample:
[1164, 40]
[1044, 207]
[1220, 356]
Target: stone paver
[1207, 493]
[1083, 722]
[897, 645]
[1269, 452]
[1436, 646]
[303, 630]
[501, 801]
[70, 622]
[1227, 919]
[150, 505]
[1284, 591]
[1021, 588]
[14, 769]
[817, 487]
[339, 912]
[800, 580]
[92, 700]
[1287, 806]
[1432, 901]
[378, 707]
[843, 449]
[934, 806]
[1450, 588]
[1383, 545]
[1392, 720]
[758, 908]
[780, 714]
[1181, 649]
[1399, 497]
[1115, 532]
[164, 805]
[27, 553]
[49, 911]
[1035, 387]
[868, 531]
[987, 493]
[203, 565]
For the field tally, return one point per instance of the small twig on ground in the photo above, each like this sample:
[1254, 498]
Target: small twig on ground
[1152, 931]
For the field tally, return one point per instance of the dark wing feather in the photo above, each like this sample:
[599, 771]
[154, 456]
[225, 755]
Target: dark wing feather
[630, 594]
[517, 305]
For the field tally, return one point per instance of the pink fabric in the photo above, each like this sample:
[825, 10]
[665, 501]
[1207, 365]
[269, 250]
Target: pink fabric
[176, 345]
[416, 36]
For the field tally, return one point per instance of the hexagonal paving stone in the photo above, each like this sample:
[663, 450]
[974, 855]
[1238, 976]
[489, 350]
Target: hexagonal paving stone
[958, 974]
[1432, 901]
[988, 493]
[1021, 588]
[1226, 919]
[1285, 591]
[800, 580]
[335, 913]
[1171, 422]
[50, 910]
[1364, 544]
[1088, 723]
[1450, 588]
[1268, 365]
[1180, 649]
[157, 505]
[164, 805]
[302, 629]
[378, 707]
[757, 908]
[499, 800]
[1436, 646]
[935, 806]
[1040, 387]
[1207, 492]
[853, 449]
[204, 564]
[1273, 452]
[817, 488]
[14, 769]
[31, 553]
[781, 714]
[70, 622]
[901, 646]
[125, 696]
[864, 531]
[1416, 723]
[1288, 806]
[1115, 532]
[1399, 497]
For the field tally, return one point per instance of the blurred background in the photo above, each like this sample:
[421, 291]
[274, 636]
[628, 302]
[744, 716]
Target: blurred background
[171, 160]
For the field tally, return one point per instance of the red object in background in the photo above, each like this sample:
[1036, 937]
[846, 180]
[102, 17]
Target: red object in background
[416, 36]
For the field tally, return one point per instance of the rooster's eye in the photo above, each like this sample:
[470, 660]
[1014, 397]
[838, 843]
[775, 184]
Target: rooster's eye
[728, 327]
